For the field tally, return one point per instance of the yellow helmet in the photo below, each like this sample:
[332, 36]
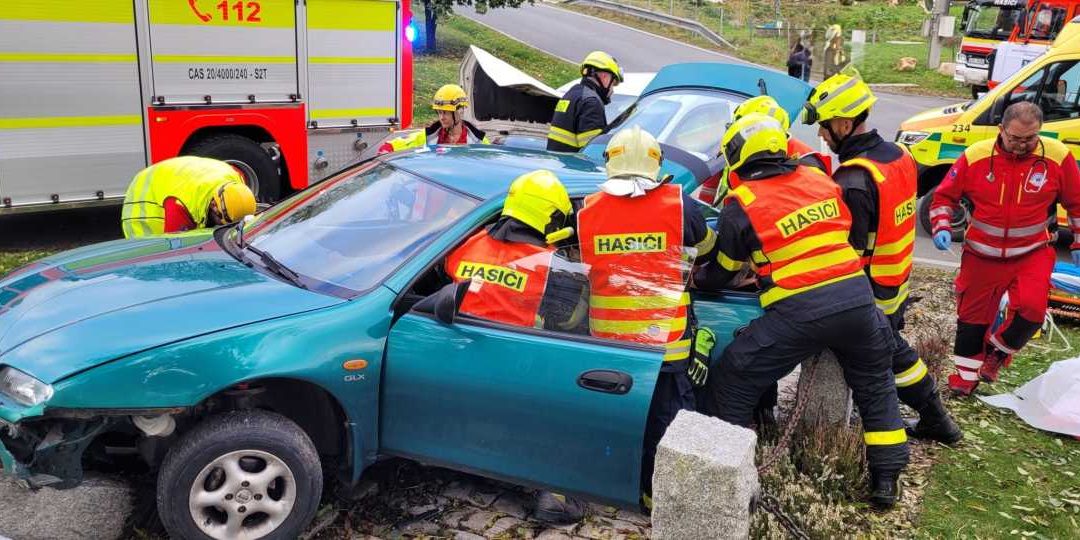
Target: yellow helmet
[633, 152]
[754, 137]
[234, 200]
[539, 200]
[843, 95]
[449, 97]
[763, 105]
[601, 61]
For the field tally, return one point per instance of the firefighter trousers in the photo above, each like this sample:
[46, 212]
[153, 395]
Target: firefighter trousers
[914, 385]
[773, 345]
[673, 393]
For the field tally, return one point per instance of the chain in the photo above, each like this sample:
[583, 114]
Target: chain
[772, 506]
[800, 406]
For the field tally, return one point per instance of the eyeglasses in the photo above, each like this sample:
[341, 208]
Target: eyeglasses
[1019, 140]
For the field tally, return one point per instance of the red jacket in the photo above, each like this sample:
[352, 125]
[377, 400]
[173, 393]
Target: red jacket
[1014, 197]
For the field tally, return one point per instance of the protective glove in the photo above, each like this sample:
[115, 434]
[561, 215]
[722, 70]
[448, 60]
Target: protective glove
[942, 239]
[698, 372]
[1076, 257]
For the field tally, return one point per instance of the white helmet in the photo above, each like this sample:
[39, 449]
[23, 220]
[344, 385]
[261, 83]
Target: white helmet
[633, 152]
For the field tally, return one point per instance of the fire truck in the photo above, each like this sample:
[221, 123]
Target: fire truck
[1036, 30]
[985, 24]
[287, 91]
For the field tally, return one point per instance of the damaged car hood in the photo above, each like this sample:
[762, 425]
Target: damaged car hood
[85, 307]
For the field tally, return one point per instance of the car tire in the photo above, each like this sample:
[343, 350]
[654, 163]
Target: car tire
[959, 223]
[260, 171]
[215, 482]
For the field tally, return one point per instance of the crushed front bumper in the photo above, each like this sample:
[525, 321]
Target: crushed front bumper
[47, 451]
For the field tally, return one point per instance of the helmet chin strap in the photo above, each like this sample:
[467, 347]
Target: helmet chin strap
[855, 123]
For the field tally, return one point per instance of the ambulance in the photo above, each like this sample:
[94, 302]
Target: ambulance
[287, 91]
[938, 137]
[985, 24]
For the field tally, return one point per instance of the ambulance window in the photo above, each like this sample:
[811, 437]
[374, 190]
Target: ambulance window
[1059, 98]
[1027, 90]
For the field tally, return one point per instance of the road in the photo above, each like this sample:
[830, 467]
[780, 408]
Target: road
[570, 35]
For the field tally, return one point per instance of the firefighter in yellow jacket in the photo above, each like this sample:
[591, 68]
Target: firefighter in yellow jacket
[450, 100]
[182, 194]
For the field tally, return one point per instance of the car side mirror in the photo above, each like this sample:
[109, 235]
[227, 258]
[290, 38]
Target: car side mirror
[445, 303]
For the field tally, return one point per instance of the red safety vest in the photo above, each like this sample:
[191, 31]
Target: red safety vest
[803, 225]
[888, 256]
[637, 267]
[508, 278]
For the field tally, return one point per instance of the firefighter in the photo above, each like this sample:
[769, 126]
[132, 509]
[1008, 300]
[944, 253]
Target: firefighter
[714, 189]
[1014, 181]
[579, 115]
[790, 221]
[516, 275]
[185, 193]
[879, 182]
[639, 237]
[450, 128]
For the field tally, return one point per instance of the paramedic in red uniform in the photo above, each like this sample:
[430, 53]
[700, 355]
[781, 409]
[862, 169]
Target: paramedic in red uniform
[1014, 182]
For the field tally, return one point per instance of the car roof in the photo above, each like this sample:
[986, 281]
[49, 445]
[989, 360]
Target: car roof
[486, 171]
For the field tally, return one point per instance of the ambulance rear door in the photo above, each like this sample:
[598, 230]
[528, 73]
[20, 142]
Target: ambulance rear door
[354, 57]
[229, 52]
[71, 120]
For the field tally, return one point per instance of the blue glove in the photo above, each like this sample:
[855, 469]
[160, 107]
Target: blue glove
[942, 239]
[1076, 257]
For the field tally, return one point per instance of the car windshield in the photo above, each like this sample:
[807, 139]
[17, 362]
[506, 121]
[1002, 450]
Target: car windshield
[689, 119]
[619, 103]
[353, 231]
[990, 21]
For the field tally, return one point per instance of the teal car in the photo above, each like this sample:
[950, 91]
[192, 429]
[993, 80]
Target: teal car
[240, 365]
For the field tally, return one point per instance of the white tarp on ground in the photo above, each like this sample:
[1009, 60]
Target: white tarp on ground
[1050, 402]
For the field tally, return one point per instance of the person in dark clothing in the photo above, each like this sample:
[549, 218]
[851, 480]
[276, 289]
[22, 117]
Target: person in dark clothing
[800, 61]
[879, 180]
[789, 222]
[579, 115]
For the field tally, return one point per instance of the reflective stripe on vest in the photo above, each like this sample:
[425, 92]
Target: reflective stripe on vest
[508, 279]
[191, 180]
[637, 267]
[893, 244]
[803, 225]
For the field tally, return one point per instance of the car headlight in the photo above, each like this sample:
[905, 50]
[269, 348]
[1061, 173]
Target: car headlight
[961, 58]
[911, 137]
[23, 388]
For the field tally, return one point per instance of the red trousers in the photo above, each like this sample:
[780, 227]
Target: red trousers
[982, 281]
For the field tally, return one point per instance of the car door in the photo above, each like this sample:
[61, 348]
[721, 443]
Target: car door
[529, 406]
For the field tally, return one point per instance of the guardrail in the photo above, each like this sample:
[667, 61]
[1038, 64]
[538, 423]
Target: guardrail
[662, 18]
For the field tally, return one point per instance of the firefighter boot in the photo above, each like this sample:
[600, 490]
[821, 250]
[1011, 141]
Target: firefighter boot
[557, 509]
[992, 364]
[960, 386]
[935, 424]
[884, 490]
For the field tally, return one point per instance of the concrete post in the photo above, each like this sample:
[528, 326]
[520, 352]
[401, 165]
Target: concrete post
[828, 398]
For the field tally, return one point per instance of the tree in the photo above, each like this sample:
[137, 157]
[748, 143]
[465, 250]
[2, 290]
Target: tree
[433, 9]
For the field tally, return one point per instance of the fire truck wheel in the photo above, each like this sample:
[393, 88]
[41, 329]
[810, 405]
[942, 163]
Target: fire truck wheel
[260, 171]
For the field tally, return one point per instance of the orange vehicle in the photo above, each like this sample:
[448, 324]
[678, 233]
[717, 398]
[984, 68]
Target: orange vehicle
[1036, 29]
[985, 24]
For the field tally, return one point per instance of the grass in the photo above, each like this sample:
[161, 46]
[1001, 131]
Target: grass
[455, 34]
[882, 22]
[11, 260]
[1007, 477]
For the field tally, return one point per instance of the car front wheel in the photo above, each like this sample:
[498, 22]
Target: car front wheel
[240, 475]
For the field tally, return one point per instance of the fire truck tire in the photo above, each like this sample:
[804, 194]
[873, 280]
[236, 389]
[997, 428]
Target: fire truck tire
[260, 171]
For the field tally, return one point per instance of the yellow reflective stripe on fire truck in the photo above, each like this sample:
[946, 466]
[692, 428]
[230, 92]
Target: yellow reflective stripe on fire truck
[70, 122]
[358, 60]
[639, 302]
[67, 58]
[83, 11]
[319, 114]
[234, 13]
[351, 15]
[215, 59]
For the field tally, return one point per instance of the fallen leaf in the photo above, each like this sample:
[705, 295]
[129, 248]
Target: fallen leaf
[1022, 508]
[977, 507]
[1006, 516]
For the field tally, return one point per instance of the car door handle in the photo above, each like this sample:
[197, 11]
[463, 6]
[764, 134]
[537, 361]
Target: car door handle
[1071, 141]
[606, 381]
